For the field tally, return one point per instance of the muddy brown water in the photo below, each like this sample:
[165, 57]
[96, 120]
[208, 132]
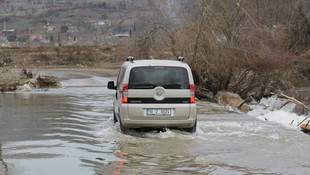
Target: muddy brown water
[69, 130]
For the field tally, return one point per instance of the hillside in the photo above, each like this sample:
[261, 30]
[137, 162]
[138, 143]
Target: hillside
[70, 22]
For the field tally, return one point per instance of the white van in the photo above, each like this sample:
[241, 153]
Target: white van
[155, 94]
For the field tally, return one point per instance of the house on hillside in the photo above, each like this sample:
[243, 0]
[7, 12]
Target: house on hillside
[45, 41]
[105, 22]
[4, 41]
[93, 23]
[4, 44]
[8, 31]
[3, 38]
[48, 27]
[122, 35]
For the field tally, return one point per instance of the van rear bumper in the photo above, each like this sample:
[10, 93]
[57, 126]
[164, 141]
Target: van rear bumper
[182, 116]
[158, 123]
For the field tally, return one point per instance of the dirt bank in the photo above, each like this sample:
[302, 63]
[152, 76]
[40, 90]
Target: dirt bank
[23, 80]
[98, 60]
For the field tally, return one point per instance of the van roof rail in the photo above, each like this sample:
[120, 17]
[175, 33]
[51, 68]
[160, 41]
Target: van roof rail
[130, 58]
[181, 59]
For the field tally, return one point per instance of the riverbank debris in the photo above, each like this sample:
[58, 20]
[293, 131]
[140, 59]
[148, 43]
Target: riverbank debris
[284, 97]
[24, 81]
[304, 127]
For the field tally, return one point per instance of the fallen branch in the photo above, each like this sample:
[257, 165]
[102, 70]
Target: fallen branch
[284, 97]
[303, 121]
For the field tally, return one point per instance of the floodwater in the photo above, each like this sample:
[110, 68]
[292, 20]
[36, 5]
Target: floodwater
[70, 130]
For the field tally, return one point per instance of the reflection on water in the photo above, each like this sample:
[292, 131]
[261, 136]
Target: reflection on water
[53, 132]
[71, 131]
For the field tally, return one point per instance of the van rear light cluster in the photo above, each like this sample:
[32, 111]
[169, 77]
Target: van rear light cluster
[192, 93]
[125, 94]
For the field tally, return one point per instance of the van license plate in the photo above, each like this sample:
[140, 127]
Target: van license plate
[166, 112]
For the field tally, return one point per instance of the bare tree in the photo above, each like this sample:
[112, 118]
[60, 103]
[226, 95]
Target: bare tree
[243, 46]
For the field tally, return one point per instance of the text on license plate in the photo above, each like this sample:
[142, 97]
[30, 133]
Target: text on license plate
[158, 111]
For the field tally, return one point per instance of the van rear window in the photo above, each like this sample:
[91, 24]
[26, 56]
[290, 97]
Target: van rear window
[152, 76]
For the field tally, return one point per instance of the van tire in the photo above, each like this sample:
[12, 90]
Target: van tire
[114, 118]
[123, 129]
[192, 129]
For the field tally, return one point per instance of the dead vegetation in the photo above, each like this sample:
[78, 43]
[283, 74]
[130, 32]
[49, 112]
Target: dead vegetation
[246, 47]
[16, 62]
[13, 80]
[25, 57]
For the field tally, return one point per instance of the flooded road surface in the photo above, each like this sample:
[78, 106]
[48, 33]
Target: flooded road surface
[70, 130]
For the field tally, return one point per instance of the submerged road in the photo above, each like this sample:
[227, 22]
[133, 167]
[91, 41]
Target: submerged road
[70, 130]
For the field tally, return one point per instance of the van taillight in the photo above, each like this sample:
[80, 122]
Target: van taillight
[125, 94]
[192, 93]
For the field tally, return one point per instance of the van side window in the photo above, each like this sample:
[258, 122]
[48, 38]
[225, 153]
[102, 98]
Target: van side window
[120, 76]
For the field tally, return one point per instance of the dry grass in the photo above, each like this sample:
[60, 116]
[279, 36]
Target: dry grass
[69, 55]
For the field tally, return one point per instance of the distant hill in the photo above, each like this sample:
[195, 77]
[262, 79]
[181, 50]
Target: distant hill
[68, 11]
[40, 21]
